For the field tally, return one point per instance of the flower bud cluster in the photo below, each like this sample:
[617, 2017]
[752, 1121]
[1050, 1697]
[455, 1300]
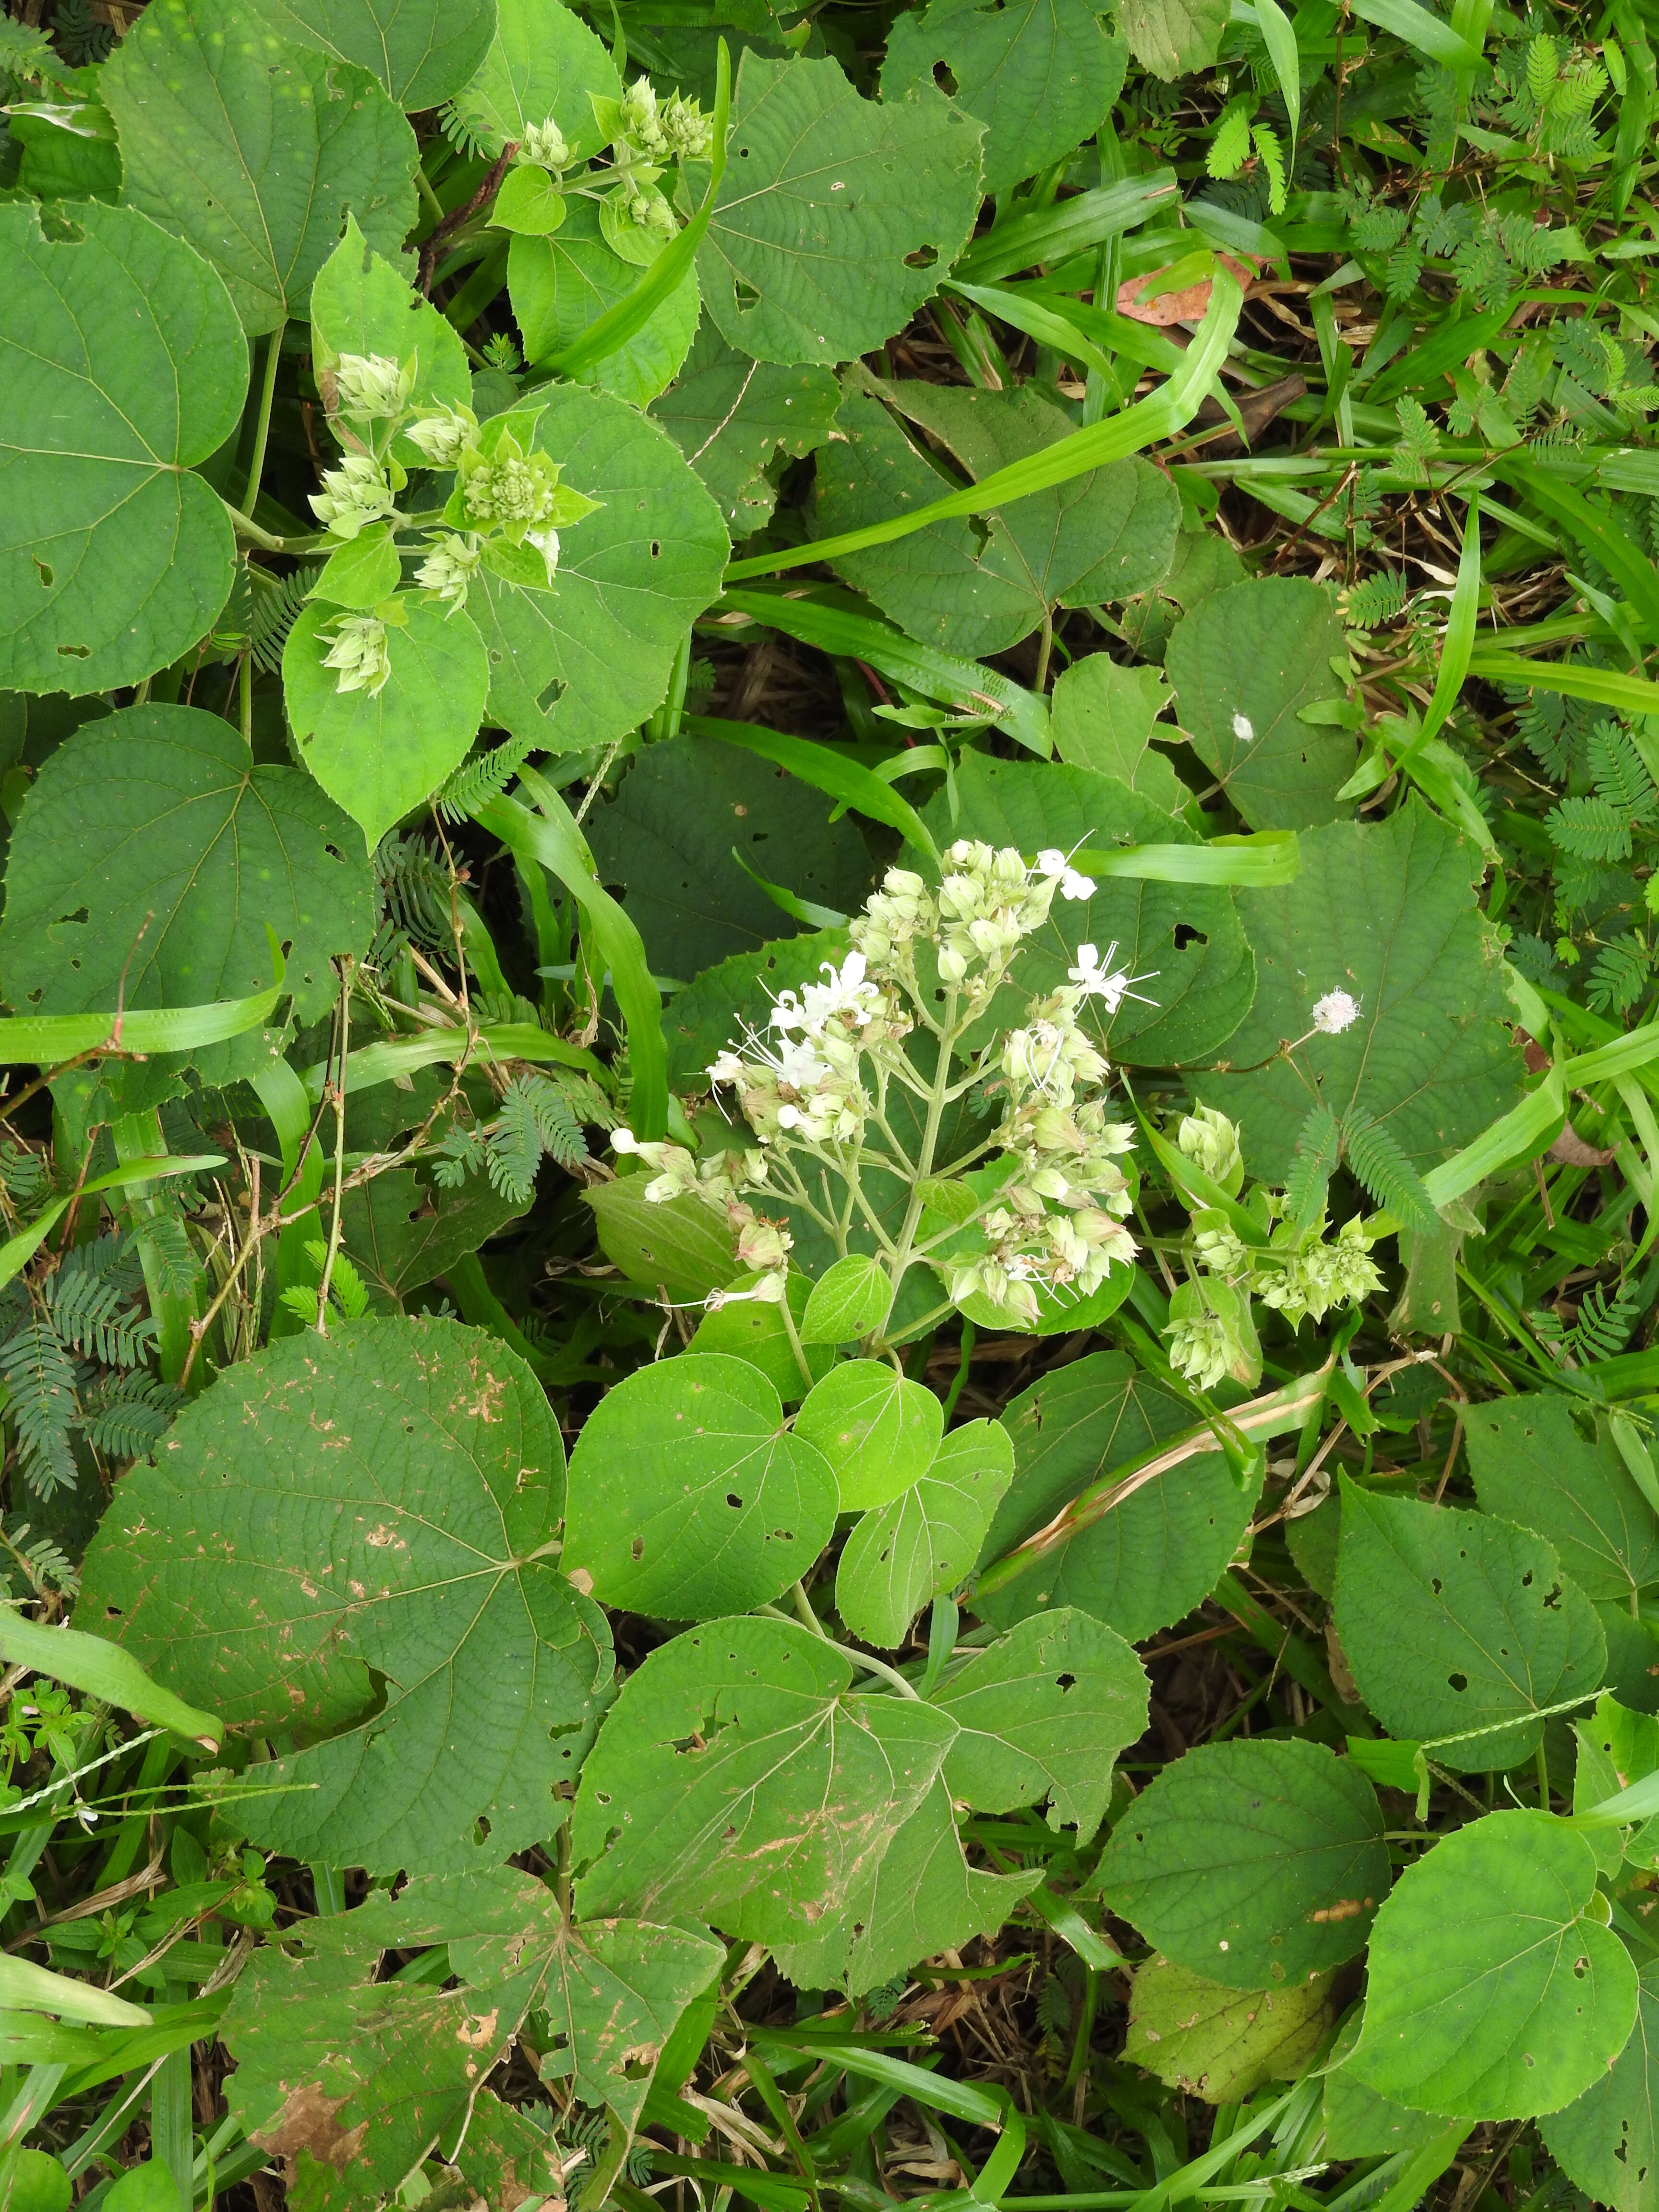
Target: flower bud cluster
[359, 653]
[353, 495]
[543, 145]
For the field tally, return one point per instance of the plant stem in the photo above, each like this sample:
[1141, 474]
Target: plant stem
[936, 1093]
[794, 1335]
[262, 428]
[339, 1155]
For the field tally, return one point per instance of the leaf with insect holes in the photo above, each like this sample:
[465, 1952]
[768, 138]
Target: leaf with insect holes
[877, 1430]
[374, 1507]
[920, 1898]
[544, 66]
[925, 1540]
[1386, 913]
[739, 1780]
[848, 1301]
[367, 2070]
[419, 53]
[1607, 2141]
[1244, 665]
[1044, 1712]
[1251, 1862]
[731, 415]
[1105, 716]
[1159, 1551]
[1460, 1627]
[1221, 2044]
[124, 366]
[836, 215]
[253, 150]
[970, 589]
[589, 660]
[1183, 942]
[1039, 74]
[381, 753]
[1493, 1993]
[689, 1498]
[151, 862]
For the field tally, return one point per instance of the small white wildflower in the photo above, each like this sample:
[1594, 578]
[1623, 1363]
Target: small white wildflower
[359, 653]
[1244, 729]
[1056, 867]
[1336, 1011]
[1097, 979]
[846, 991]
[727, 1068]
[623, 1140]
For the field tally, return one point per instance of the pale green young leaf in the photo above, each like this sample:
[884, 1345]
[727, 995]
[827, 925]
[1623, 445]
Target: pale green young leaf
[543, 65]
[1460, 1627]
[1244, 664]
[378, 2068]
[561, 282]
[925, 1540]
[922, 1897]
[381, 754]
[689, 1498]
[1607, 2141]
[833, 211]
[253, 150]
[753, 1330]
[878, 1431]
[429, 1454]
[583, 664]
[731, 415]
[124, 366]
[848, 1301]
[1387, 914]
[794, 1797]
[1493, 1994]
[1044, 1712]
[150, 863]
[1156, 1555]
[421, 54]
[1170, 36]
[1039, 75]
[1223, 2045]
[1251, 1862]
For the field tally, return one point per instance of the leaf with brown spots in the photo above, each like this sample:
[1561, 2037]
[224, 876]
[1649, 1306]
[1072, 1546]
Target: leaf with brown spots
[372, 1508]
[354, 2080]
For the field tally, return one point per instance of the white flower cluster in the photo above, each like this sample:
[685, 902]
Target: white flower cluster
[1047, 1211]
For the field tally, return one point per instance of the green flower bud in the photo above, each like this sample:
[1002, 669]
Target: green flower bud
[359, 653]
[1209, 1141]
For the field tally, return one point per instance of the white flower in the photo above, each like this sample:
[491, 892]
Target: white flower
[1054, 866]
[1097, 979]
[727, 1068]
[623, 1140]
[799, 1065]
[1244, 729]
[846, 992]
[359, 651]
[1335, 1013]
[546, 542]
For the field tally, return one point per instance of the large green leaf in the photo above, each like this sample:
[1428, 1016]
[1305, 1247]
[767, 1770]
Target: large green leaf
[357, 2074]
[560, 284]
[544, 66]
[877, 1430]
[1251, 1862]
[584, 663]
[421, 51]
[1039, 74]
[1460, 1627]
[684, 1248]
[834, 211]
[381, 753]
[1533, 1463]
[689, 1498]
[1244, 665]
[1170, 36]
[1044, 1712]
[401, 1232]
[919, 1897]
[123, 365]
[1493, 1992]
[1153, 1557]
[1104, 716]
[1387, 914]
[1184, 941]
[669, 835]
[1222, 2044]
[381, 1502]
[737, 1780]
[254, 150]
[731, 415]
[975, 590]
[925, 1540]
[152, 860]
[1607, 2140]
